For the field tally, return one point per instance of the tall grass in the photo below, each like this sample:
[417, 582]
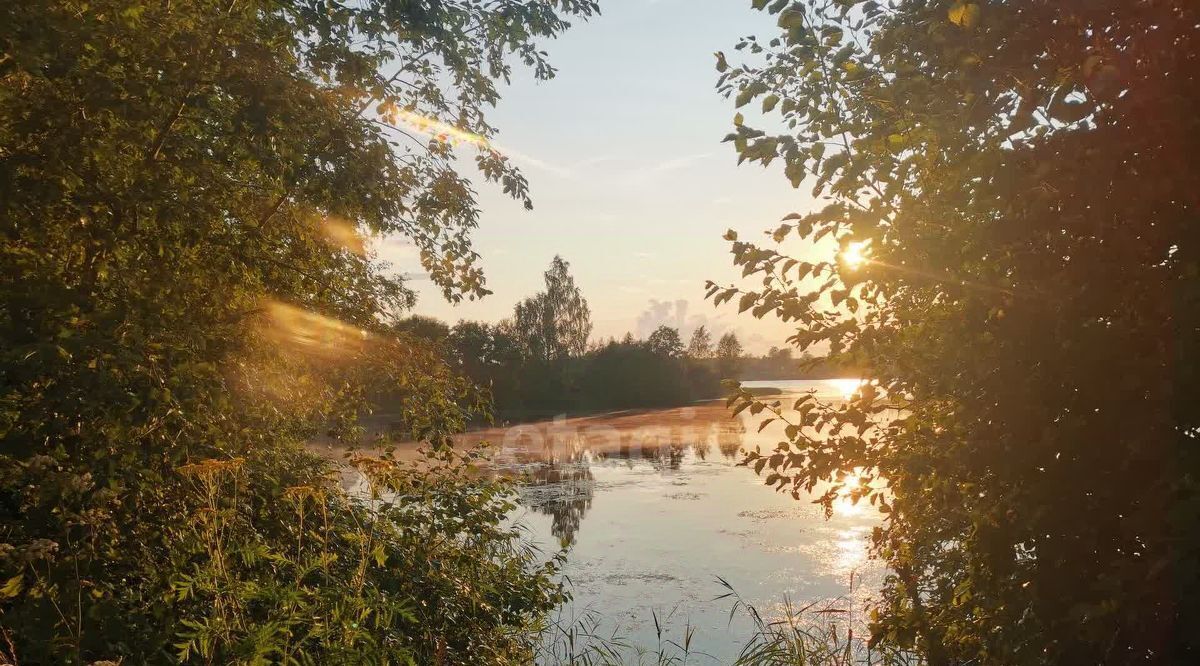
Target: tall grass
[579, 641]
[829, 632]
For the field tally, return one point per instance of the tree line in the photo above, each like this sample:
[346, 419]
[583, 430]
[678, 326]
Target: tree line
[540, 361]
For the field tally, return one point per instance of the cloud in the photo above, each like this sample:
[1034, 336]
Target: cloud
[592, 162]
[676, 315]
[650, 171]
[567, 173]
[661, 313]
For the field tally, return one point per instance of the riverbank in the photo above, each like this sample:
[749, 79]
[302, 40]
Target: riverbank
[651, 507]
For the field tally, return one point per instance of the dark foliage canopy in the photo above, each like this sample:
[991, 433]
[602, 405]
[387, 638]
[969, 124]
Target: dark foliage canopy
[1011, 186]
[186, 298]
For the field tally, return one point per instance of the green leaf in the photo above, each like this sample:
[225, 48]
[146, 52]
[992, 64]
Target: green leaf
[792, 18]
[795, 172]
[778, 6]
[747, 301]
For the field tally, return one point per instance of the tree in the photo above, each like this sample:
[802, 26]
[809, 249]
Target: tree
[700, 345]
[491, 358]
[568, 309]
[186, 300]
[729, 355]
[555, 324]
[1014, 211]
[471, 344]
[728, 347]
[623, 375]
[425, 328]
[664, 341]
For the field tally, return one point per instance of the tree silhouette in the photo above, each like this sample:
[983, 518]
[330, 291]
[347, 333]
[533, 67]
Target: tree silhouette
[554, 324]
[700, 345]
[665, 342]
[729, 355]
[1011, 191]
[186, 301]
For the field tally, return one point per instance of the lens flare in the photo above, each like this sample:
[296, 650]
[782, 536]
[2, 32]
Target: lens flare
[298, 330]
[440, 130]
[342, 233]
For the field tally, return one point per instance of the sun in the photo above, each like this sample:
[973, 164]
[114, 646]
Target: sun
[855, 255]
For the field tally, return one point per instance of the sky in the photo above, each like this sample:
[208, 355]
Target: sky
[630, 181]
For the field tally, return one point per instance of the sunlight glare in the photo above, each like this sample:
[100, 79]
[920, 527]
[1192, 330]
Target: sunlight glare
[855, 255]
[847, 387]
[852, 549]
[843, 505]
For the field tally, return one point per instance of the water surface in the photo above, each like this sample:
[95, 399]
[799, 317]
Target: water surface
[652, 508]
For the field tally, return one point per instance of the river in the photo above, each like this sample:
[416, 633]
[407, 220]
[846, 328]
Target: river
[652, 509]
[653, 514]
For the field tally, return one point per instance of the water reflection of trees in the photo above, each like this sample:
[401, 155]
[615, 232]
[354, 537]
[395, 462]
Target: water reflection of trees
[729, 437]
[564, 493]
[555, 459]
[557, 482]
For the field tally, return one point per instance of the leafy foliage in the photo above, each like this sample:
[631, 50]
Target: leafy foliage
[555, 324]
[650, 373]
[423, 328]
[700, 345]
[729, 355]
[665, 341]
[186, 298]
[1011, 188]
[630, 373]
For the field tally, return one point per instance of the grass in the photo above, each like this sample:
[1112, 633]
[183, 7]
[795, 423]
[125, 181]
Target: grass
[580, 642]
[822, 633]
[827, 632]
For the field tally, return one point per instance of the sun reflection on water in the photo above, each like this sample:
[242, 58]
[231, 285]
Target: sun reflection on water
[851, 549]
[847, 387]
[844, 505]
